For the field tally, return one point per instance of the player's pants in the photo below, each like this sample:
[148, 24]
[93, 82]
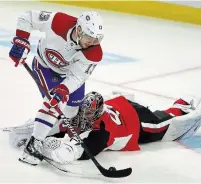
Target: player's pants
[153, 124]
[50, 79]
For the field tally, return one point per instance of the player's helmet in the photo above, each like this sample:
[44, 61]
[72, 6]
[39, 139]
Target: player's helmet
[92, 107]
[91, 24]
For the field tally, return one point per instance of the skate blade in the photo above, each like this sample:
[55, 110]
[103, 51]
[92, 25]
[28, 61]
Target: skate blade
[28, 159]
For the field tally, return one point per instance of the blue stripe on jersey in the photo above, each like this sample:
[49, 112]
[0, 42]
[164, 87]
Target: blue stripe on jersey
[44, 122]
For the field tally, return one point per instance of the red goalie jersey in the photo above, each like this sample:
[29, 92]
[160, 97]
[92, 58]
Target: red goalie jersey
[117, 129]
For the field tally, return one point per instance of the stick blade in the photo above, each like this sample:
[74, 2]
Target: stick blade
[116, 173]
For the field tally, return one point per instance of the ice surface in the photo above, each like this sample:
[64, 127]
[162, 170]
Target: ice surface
[166, 64]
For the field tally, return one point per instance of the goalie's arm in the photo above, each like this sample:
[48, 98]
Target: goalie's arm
[96, 142]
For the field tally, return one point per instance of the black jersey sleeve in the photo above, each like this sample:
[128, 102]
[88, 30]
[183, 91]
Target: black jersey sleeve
[96, 141]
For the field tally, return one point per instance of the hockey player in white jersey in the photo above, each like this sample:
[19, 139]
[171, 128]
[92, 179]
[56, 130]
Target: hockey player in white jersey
[118, 124]
[66, 57]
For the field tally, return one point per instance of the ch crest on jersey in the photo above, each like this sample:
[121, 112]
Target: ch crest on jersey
[55, 58]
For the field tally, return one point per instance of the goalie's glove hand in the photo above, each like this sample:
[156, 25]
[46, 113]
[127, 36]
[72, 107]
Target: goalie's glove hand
[59, 94]
[19, 50]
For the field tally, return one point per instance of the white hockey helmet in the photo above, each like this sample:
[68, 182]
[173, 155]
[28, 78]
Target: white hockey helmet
[91, 24]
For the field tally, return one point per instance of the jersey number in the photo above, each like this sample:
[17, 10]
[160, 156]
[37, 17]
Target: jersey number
[114, 115]
[90, 69]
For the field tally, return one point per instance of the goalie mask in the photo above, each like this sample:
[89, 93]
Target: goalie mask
[92, 107]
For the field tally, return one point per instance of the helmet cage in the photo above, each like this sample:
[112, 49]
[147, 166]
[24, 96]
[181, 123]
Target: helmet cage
[92, 107]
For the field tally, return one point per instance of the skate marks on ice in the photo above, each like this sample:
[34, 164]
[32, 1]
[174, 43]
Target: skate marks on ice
[156, 162]
[79, 171]
[166, 162]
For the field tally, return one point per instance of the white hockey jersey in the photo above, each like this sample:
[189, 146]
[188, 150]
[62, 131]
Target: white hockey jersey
[57, 50]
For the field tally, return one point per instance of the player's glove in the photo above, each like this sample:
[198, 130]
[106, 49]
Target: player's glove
[19, 50]
[59, 94]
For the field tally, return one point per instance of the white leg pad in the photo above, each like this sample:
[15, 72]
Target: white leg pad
[183, 127]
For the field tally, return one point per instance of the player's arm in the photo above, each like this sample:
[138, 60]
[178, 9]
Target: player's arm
[83, 67]
[77, 74]
[26, 22]
[96, 141]
[33, 20]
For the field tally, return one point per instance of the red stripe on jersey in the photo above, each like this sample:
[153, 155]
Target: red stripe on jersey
[93, 53]
[61, 24]
[48, 113]
[22, 34]
[155, 130]
[176, 111]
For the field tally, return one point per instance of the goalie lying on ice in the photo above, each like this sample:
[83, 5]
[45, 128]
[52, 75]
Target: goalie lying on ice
[116, 124]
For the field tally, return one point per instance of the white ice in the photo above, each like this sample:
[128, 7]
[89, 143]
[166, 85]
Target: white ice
[168, 66]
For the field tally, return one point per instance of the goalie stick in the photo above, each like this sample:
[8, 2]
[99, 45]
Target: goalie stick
[111, 172]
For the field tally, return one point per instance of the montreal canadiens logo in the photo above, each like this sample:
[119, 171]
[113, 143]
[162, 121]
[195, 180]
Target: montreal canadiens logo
[55, 58]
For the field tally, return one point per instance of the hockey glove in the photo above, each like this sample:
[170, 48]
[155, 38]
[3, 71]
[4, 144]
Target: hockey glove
[19, 50]
[59, 94]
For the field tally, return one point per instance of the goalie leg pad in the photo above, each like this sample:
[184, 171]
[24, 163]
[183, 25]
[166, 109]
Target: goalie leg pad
[19, 135]
[183, 127]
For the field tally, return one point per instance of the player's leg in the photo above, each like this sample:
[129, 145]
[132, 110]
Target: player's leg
[20, 134]
[45, 119]
[155, 128]
[66, 150]
[72, 107]
[154, 125]
[183, 127]
[150, 127]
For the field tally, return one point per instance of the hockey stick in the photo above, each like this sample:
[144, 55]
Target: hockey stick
[62, 169]
[111, 172]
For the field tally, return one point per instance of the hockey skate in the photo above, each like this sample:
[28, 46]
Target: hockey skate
[33, 152]
[187, 104]
[183, 127]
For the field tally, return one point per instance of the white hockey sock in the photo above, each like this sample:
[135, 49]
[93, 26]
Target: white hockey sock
[44, 122]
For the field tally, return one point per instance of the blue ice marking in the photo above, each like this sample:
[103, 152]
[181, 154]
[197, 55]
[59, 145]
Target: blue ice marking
[108, 58]
[193, 143]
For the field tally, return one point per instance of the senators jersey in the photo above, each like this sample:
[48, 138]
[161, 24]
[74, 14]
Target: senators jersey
[117, 129]
[57, 50]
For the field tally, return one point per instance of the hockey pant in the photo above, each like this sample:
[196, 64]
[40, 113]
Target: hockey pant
[45, 121]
